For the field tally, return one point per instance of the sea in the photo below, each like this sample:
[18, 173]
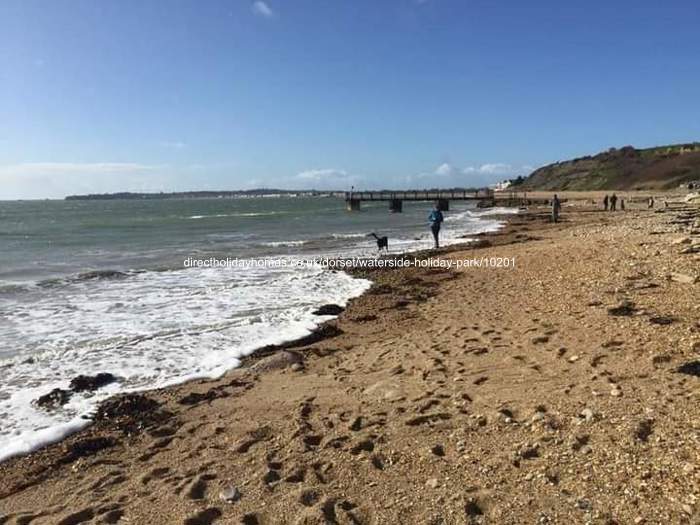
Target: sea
[90, 286]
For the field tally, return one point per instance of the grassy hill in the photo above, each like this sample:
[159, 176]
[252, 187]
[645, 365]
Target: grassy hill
[628, 168]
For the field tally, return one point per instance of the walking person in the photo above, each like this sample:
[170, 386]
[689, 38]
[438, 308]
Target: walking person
[622, 204]
[605, 202]
[613, 202]
[436, 220]
[556, 208]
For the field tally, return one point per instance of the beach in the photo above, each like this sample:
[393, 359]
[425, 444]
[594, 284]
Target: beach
[559, 387]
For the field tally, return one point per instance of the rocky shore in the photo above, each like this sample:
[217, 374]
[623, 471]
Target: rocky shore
[563, 389]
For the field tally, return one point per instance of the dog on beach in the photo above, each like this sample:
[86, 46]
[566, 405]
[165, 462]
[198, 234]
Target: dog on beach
[382, 242]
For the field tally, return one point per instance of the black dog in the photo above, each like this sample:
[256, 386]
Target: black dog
[382, 242]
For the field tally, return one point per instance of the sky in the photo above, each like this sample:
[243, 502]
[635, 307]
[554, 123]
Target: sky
[144, 95]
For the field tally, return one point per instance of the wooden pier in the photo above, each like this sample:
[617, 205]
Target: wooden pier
[485, 198]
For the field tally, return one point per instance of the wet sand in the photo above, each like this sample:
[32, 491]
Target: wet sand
[563, 390]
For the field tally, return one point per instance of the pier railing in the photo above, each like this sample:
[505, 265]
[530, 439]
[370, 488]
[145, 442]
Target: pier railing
[420, 195]
[485, 198]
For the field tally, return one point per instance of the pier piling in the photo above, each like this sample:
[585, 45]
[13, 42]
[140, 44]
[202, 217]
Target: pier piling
[395, 205]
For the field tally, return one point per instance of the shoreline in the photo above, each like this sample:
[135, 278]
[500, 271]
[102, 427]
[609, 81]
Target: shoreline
[63, 431]
[291, 394]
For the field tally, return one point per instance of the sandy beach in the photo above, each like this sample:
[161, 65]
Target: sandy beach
[562, 388]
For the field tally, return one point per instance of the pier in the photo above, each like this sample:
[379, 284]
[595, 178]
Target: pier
[485, 198]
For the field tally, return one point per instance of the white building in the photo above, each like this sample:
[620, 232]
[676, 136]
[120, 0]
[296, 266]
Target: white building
[501, 186]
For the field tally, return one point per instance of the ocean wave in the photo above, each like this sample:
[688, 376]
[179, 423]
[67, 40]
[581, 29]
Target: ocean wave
[349, 235]
[241, 214]
[100, 274]
[276, 244]
[498, 210]
[474, 216]
[152, 330]
[12, 288]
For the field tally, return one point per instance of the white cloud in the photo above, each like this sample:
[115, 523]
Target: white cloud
[323, 174]
[263, 9]
[445, 169]
[497, 168]
[323, 179]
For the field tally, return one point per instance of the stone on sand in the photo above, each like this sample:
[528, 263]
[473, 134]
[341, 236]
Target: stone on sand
[329, 309]
[230, 494]
[681, 240]
[56, 398]
[682, 278]
[587, 414]
[83, 383]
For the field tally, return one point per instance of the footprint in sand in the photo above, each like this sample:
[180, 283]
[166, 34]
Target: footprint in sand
[156, 473]
[204, 517]
[252, 438]
[112, 516]
[365, 445]
[76, 518]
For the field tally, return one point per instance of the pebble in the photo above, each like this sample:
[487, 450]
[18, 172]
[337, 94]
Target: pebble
[538, 416]
[681, 240]
[683, 278]
[587, 414]
[438, 450]
[432, 483]
[296, 367]
[616, 392]
[230, 494]
[583, 504]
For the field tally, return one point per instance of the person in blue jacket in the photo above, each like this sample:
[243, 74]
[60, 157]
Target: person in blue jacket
[436, 219]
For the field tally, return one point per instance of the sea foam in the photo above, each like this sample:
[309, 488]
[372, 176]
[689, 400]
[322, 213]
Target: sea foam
[152, 329]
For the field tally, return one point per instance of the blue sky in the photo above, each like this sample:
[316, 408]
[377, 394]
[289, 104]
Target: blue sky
[145, 95]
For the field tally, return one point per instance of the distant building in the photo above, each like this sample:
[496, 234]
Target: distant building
[503, 185]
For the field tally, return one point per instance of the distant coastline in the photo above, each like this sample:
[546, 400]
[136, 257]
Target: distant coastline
[261, 192]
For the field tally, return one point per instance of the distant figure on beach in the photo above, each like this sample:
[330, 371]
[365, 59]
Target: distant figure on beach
[556, 208]
[613, 202]
[651, 202]
[436, 219]
[622, 204]
[605, 202]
